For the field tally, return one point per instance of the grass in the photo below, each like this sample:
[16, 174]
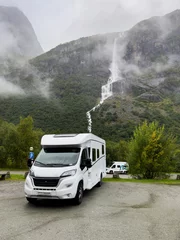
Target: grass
[149, 181]
[16, 177]
[13, 169]
[20, 177]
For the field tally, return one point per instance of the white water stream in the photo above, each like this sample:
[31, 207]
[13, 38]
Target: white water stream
[106, 90]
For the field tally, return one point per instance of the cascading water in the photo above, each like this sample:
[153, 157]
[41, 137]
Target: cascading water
[106, 90]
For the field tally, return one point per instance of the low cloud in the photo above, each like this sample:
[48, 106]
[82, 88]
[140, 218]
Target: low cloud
[8, 89]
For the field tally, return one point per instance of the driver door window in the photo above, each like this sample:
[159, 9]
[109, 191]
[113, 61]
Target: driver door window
[84, 157]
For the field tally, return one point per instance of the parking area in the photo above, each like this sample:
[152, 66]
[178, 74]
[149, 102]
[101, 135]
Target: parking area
[126, 211]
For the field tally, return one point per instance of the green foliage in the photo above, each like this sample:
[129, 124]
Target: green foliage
[116, 151]
[151, 151]
[15, 141]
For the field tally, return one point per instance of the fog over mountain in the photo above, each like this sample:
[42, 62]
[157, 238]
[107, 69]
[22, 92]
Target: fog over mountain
[18, 39]
[18, 44]
[60, 21]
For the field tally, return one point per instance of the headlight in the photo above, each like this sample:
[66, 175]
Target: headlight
[31, 173]
[69, 173]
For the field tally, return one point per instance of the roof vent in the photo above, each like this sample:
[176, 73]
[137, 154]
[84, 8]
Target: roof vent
[64, 135]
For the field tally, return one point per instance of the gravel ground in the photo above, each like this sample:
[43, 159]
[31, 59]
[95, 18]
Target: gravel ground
[126, 211]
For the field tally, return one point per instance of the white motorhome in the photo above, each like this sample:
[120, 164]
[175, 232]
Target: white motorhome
[121, 167]
[67, 165]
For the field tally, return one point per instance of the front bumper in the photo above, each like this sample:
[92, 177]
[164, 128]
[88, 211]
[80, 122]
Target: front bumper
[66, 189]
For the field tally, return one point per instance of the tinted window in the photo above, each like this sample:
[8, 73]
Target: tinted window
[84, 154]
[102, 149]
[97, 153]
[94, 154]
[89, 152]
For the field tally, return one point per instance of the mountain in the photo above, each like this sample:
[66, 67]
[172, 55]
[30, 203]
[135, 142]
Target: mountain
[18, 39]
[60, 86]
[99, 22]
[154, 40]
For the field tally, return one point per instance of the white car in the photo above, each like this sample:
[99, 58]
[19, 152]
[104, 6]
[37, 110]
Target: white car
[122, 167]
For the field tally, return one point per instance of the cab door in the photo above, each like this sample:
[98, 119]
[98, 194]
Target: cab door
[113, 168]
[83, 167]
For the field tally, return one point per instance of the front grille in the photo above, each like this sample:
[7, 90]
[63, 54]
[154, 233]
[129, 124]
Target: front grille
[45, 189]
[45, 182]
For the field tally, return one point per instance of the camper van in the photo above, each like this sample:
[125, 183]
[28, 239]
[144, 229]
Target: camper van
[121, 167]
[67, 165]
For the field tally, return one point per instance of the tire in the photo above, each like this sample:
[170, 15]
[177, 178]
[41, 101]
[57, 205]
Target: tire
[32, 200]
[111, 172]
[79, 195]
[99, 184]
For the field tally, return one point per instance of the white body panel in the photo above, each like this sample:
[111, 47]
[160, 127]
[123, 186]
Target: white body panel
[66, 187]
[118, 167]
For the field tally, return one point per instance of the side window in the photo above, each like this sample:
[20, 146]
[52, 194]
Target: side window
[102, 149]
[84, 155]
[113, 166]
[93, 154]
[118, 166]
[97, 153]
[83, 159]
[89, 152]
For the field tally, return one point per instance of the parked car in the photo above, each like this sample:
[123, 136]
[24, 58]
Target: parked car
[122, 167]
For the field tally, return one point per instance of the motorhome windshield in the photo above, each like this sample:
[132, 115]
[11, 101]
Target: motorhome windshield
[50, 157]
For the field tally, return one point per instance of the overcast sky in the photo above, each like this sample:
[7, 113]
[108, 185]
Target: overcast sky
[58, 21]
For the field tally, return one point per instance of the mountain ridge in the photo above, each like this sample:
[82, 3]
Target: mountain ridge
[148, 67]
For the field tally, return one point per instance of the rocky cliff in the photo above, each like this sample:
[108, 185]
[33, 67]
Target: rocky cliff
[18, 39]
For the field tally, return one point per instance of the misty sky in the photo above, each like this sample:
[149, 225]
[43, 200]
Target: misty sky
[58, 21]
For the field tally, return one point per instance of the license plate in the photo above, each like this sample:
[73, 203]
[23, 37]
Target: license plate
[44, 193]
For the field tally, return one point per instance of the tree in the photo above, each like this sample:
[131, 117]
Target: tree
[28, 136]
[15, 141]
[6, 131]
[122, 150]
[111, 152]
[151, 150]
[116, 151]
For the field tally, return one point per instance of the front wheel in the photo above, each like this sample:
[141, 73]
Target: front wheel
[99, 184]
[79, 195]
[32, 200]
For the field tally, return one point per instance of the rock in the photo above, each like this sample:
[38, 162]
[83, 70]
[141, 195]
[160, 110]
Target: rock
[8, 175]
[150, 97]
[116, 175]
[178, 177]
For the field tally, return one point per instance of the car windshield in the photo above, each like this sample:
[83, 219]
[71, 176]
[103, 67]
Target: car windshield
[57, 157]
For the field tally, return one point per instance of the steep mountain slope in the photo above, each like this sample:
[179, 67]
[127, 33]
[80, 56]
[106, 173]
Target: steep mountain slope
[154, 40]
[18, 39]
[60, 86]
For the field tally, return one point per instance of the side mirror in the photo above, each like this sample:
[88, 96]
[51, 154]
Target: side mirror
[88, 163]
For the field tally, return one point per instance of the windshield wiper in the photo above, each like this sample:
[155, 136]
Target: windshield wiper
[40, 163]
[57, 164]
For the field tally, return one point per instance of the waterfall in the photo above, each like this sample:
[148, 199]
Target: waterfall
[106, 90]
